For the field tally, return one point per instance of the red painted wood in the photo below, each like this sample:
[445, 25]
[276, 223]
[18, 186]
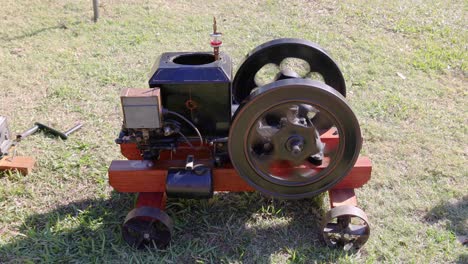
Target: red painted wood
[330, 139]
[342, 197]
[151, 199]
[359, 175]
[227, 180]
[130, 151]
[137, 175]
[147, 176]
[23, 165]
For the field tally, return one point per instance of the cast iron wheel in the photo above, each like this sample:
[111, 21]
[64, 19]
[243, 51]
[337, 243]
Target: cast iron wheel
[274, 142]
[345, 227]
[147, 227]
[275, 53]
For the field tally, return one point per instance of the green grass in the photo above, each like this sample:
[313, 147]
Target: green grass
[58, 67]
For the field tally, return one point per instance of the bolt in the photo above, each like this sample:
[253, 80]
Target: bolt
[295, 145]
[146, 236]
[167, 131]
[267, 146]
[296, 149]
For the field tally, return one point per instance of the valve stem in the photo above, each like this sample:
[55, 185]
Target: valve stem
[214, 25]
[215, 40]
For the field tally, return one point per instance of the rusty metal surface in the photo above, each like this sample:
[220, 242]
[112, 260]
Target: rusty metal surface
[147, 227]
[346, 227]
[339, 197]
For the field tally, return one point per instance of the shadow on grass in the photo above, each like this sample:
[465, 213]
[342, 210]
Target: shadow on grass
[38, 31]
[456, 213]
[463, 259]
[230, 227]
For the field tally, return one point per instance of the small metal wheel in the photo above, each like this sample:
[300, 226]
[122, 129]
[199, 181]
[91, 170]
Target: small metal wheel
[274, 140]
[283, 59]
[345, 227]
[147, 227]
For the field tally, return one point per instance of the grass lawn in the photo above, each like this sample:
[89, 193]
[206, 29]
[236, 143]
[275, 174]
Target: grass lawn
[405, 65]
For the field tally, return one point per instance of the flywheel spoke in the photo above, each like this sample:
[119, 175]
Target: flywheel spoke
[136, 227]
[332, 228]
[357, 230]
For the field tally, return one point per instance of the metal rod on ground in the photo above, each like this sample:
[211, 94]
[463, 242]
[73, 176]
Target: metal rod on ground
[73, 129]
[28, 132]
[38, 126]
[96, 10]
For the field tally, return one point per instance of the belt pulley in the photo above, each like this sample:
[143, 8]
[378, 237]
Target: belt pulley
[274, 141]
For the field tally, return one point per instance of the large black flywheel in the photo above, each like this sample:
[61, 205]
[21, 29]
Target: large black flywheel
[282, 59]
[275, 145]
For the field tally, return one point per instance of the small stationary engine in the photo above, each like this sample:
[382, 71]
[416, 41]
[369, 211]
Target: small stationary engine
[189, 96]
[197, 130]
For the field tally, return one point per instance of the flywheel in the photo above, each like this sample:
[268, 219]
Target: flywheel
[282, 59]
[274, 140]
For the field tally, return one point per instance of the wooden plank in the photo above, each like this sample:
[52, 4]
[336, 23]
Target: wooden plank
[330, 139]
[136, 176]
[342, 197]
[228, 180]
[151, 199]
[359, 175]
[145, 176]
[23, 165]
[148, 176]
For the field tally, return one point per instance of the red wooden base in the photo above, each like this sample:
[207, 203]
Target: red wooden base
[148, 178]
[151, 199]
[339, 197]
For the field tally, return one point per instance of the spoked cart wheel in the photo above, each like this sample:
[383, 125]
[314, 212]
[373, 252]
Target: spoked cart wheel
[147, 227]
[345, 227]
[274, 141]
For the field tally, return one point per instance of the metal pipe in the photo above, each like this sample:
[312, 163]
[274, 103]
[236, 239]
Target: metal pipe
[73, 129]
[96, 10]
[49, 130]
[28, 132]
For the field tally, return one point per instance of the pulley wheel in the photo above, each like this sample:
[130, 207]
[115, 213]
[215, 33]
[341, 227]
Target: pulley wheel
[345, 227]
[274, 141]
[282, 59]
[147, 227]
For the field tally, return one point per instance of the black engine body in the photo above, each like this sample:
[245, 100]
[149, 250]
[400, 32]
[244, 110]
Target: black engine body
[196, 86]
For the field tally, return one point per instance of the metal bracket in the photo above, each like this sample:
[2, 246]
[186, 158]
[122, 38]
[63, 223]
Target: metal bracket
[189, 162]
